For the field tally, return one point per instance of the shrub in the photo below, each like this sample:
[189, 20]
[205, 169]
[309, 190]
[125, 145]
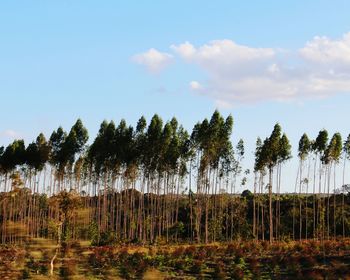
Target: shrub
[25, 274]
[196, 267]
[99, 259]
[67, 269]
[190, 251]
[313, 275]
[178, 252]
[133, 267]
[254, 266]
[218, 272]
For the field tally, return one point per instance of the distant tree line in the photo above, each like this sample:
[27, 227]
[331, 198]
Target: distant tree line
[156, 182]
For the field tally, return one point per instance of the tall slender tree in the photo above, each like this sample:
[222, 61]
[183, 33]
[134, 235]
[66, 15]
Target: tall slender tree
[303, 153]
[320, 146]
[346, 151]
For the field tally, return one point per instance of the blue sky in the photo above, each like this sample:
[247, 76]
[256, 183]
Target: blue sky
[258, 60]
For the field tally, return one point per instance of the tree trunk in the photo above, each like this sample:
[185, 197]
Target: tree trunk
[270, 205]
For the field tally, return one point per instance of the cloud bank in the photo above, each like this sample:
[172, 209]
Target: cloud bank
[237, 74]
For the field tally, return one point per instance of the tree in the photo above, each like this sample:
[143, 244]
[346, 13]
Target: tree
[12, 157]
[155, 183]
[331, 157]
[272, 156]
[284, 155]
[303, 153]
[258, 169]
[319, 148]
[346, 151]
[57, 160]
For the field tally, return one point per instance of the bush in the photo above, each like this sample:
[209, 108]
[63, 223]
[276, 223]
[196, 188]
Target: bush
[25, 274]
[196, 267]
[133, 266]
[67, 269]
[218, 272]
[99, 259]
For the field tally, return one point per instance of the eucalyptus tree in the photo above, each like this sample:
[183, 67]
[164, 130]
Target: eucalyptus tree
[284, 155]
[32, 155]
[239, 152]
[64, 149]
[185, 156]
[218, 151]
[211, 141]
[140, 145]
[101, 151]
[172, 169]
[227, 163]
[303, 153]
[314, 155]
[234, 163]
[80, 172]
[73, 145]
[12, 157]
[1, 163]
[346, 152]
[56, 142]
[258, 175]
[36, 155]
[175, 158]
[152, 154]
[164, 178]
[44, 156]
[206, 150]
[197, 150]
[265, 164]
[101, 156]
[319, 147]
[332, 156]
[122, 164]
[271, 154]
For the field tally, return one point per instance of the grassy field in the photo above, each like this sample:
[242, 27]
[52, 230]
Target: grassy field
[237, 260]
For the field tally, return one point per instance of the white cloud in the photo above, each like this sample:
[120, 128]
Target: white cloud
[323, 50]
[244, 74]
[10, 134]
[224, 57]
[153, 60]
[273, 68]
[241, 74]
[195, 85]
[186, 49]
[222, 50]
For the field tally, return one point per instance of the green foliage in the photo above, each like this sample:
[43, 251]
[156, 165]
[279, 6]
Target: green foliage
[346, 147]
[134, 184]
[304, 147]
[320, 143]
[93, 233]
[106, 238]
[133, 266]
[13, 155]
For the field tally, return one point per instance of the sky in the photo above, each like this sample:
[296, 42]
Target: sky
[261, 61]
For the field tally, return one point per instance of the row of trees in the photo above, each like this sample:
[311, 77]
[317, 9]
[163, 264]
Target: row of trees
[319, 157]
[324, 157]
[157, 181]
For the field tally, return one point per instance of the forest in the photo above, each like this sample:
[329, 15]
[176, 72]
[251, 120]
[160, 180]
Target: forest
[158, 184]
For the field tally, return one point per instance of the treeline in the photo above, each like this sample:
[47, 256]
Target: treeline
[158, 182]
